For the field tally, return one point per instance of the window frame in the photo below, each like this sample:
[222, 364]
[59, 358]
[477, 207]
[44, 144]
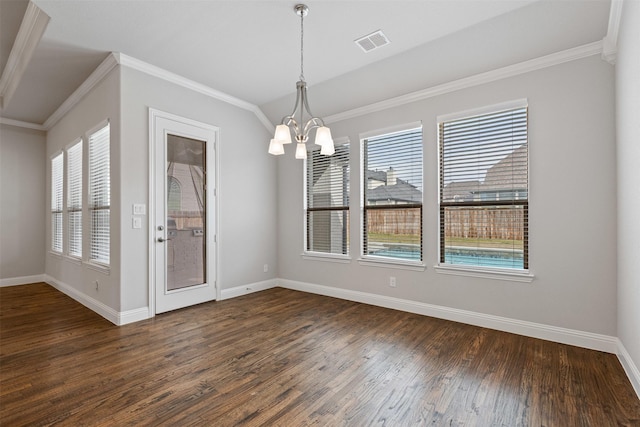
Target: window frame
[307, 253]
[512, 274]
[68, 196]
[382, 261]
[91, 207]
[57, 186]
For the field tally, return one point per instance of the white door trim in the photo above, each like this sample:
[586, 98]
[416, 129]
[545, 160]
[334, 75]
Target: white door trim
[154, 115]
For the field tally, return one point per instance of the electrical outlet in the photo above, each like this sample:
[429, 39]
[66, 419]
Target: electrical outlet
[266, 268]
[392, 281]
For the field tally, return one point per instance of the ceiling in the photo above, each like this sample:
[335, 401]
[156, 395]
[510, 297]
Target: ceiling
[250, 49]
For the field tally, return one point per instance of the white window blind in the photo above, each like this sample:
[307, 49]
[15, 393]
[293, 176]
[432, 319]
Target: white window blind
[484, 190]
[392, 182]
[99, 195]
[57, 167]
[328, 201]
[74, 199]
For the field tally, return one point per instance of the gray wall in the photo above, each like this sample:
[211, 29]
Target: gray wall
[628, 134]
[23, 208]
[572, 204]
[247, 191]
[102, 103]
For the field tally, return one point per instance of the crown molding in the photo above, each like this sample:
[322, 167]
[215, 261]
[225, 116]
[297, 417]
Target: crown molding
[33, 24]
[168, 76]
[557, 58]
[98, 74]
[21, 124]
[610, 41]
[114, 59]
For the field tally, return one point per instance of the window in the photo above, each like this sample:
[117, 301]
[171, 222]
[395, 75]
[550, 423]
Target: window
[392, 187]
[99, 196]
[74, 199]
[328, 201]
[57, 166]
[484, 189]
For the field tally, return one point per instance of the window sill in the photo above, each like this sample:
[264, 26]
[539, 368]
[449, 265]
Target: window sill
[320, 256]
[392, 263]
[489, 273]
[73, 259]
[56, 254]
[101, 268]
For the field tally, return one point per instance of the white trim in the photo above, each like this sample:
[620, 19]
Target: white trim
[487, 109]
[30, 33]
[248, 289]
[21, 280]
[96, 77]
[327, 257]
[72, 259]
[131, 316]
[91, 303]
[610, 41]
[489, 273]
[574, 337]
[390, 130]
[168, 76]
[21, 124]
[213, 194]
[100, 268]
[118, 318]
[557, 58]
[629, 367]
[113, 59]
[391, 263]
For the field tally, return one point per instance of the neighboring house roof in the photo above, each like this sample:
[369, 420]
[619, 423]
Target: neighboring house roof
[509, 173]
[377, 176]
[461, 190]
[402, 191]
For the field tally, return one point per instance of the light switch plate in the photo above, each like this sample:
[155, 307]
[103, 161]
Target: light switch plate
[139, 209]
[137, 222]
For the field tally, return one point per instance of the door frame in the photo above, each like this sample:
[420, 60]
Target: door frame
[213, 205]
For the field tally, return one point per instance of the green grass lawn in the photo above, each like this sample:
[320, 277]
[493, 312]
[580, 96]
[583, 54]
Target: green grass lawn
[452, 241]
[485, 243]
[395, 238]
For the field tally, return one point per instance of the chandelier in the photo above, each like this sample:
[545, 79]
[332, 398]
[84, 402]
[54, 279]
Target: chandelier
[294, 122]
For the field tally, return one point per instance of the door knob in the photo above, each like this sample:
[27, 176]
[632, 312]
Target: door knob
[161, 239]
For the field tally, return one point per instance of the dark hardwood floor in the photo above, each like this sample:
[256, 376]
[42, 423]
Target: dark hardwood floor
[287, 358]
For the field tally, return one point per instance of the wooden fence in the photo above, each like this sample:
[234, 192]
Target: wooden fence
[394, 221]
[484, 223]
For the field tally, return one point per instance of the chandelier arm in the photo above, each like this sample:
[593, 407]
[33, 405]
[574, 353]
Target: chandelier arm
[313, 123]
[305, 101]
[291, 122]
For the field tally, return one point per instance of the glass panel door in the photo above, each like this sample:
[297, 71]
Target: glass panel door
[183, 245]
[186, 212]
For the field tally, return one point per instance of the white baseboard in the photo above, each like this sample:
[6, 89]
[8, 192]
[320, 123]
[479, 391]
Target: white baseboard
[248, 289]
[629, 367]
[113, 316]
[23, 280]
[588, 340]
[131, 316]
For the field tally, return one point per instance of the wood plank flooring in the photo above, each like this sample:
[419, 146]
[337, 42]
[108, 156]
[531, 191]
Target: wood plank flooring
[286, 358]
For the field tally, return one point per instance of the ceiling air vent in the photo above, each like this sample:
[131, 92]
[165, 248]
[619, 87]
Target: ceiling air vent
[372, 41]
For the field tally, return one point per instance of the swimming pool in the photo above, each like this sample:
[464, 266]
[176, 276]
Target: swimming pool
[462, 256]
